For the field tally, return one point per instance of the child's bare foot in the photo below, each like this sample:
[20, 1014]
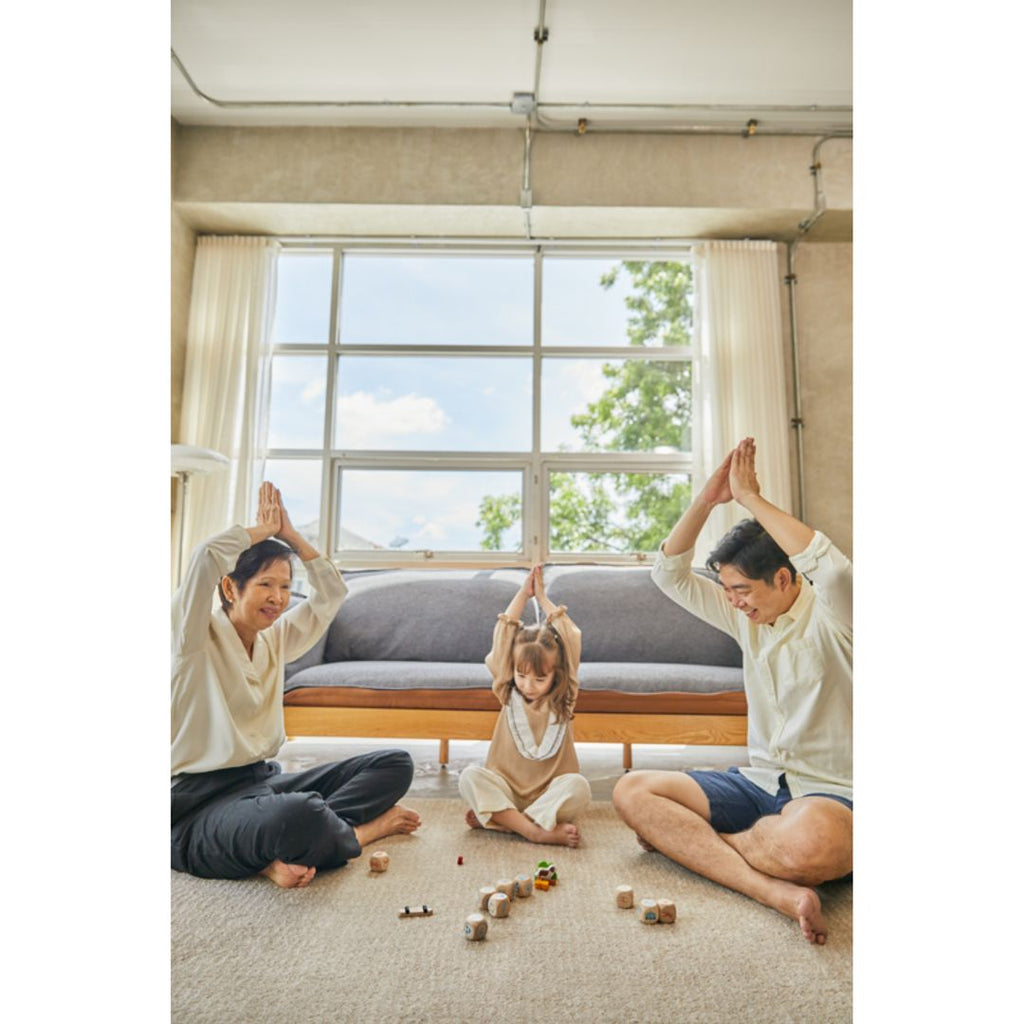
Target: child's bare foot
[472, 820]
[396, 821]
[563, 834]
[289, 876]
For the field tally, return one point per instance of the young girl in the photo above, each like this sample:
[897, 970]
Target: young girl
[531, 783]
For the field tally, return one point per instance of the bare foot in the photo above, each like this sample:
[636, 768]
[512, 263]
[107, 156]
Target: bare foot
[396, 821]
[563, 834]
[808, 914]
[646, 845]
[289, 876]
[472, 820]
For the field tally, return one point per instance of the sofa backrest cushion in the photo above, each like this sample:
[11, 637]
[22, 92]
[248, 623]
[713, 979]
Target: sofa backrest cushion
[624, 617]
[420, 615]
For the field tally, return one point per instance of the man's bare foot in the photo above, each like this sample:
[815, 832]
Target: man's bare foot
[396, 821]
[807, 913]
[643, 842]
[289, 876]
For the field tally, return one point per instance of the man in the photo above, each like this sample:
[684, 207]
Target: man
[785, 823]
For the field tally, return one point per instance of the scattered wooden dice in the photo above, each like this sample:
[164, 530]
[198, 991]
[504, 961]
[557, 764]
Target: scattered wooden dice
[624, 897]
[379, 860]
[475, 928]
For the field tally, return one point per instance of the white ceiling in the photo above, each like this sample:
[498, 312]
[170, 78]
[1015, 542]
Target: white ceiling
[718, 61]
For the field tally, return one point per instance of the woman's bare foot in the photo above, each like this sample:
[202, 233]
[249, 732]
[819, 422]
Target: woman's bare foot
[810, 918]
[396, 821]
[289, 876]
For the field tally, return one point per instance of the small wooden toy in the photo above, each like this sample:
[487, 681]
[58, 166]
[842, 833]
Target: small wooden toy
[485, 894]
[666, 912]
[424, 912]
[624, 897]
[524, 886]
[459, 861]
[475, 928]
[541, 883]
[547, 872]
[647, 911]
[379, 861]
[498, 905]
[507, 886]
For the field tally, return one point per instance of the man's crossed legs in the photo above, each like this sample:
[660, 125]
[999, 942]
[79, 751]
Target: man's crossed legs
[771, 849]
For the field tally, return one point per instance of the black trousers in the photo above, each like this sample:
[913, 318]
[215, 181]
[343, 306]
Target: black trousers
[232, 823]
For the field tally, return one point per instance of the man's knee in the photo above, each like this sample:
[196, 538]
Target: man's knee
[816, 848]
[628, 789]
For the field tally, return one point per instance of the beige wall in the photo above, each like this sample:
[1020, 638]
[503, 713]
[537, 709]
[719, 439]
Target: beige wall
[466, 182]
[824, 305]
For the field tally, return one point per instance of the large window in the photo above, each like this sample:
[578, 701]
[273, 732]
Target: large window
[454, 407]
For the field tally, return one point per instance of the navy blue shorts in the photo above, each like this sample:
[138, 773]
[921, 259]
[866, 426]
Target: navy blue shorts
[736, 802]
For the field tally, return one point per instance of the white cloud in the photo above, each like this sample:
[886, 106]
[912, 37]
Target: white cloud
[313, 390]
[365, 421]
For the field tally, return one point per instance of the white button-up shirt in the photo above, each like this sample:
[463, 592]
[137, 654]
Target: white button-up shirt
[227, 709]
[797, 672]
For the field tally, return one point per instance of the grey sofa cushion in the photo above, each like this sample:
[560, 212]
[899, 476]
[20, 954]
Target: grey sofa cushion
[434, 675]
[395, 675]
[420, 615]
[624, 617]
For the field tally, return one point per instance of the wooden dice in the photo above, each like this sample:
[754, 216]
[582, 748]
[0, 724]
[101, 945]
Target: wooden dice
[647, 911]
[485, 894]
[666, 912]
[379, 861]
[498, 905]
[475, 928]
[507, 886]
[524, 886]
[624, 897]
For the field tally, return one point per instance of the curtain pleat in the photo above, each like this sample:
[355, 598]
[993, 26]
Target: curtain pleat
[741, 367]
[225, 405]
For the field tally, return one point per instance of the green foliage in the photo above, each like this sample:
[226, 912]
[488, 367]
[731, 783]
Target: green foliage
[646, 406]
[497, 514]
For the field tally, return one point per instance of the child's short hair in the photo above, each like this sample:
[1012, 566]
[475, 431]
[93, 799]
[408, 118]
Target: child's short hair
[537, 649]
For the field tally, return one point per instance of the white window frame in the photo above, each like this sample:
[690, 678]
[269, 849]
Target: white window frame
[535, 465]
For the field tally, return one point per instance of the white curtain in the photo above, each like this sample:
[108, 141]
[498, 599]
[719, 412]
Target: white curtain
[741, 371]
[226, 396]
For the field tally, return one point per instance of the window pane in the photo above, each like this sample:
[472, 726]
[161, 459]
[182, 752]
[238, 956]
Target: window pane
[619, 512]
[437, 300]
[298, 391]
[444, 403]
[302, 310]
[591, 301]
[615, 405]
[437, 510]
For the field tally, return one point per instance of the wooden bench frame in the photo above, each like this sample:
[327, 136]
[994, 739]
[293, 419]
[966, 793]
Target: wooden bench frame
[447, 724]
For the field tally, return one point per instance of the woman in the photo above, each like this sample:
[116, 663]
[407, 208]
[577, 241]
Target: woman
[233, 814]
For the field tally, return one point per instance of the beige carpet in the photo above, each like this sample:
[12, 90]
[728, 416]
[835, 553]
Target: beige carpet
[337, 952]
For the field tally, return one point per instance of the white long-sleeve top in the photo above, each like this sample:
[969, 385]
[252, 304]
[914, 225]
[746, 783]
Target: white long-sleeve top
[227, 709]
[797, 672]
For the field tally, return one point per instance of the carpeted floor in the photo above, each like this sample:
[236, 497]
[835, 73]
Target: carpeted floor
[337, 951]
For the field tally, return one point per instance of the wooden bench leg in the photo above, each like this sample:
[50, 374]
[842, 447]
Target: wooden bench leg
[443, 756]
[627, 756]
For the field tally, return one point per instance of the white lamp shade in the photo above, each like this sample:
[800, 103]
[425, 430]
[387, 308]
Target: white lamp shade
[189, 458]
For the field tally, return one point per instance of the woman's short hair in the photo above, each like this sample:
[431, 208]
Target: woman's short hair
[253, 561]
[750, 549]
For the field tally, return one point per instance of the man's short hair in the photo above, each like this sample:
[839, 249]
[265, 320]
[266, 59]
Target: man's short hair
[750, 549]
